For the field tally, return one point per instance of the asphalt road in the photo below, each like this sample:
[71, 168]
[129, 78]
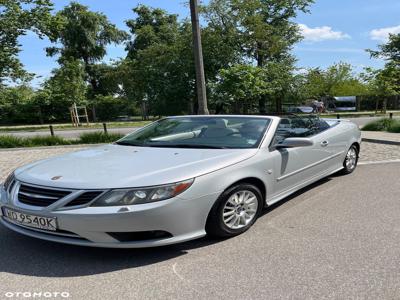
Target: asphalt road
[338, 239]
[74, 134]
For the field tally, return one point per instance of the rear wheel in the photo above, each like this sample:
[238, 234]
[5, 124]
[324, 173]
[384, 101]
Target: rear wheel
[235, 211]
[351, 160]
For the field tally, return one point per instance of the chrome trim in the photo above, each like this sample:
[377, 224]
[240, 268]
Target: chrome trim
[58, 205]
[309, 166]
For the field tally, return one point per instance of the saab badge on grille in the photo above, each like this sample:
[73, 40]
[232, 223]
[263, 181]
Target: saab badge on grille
[56, 178]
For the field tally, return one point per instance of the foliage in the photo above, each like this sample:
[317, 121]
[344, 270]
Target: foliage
[264, 30]
[158, 71]
[110, 107]
[390, 125]
[16, 105]
[83, 35]
[242, 85]
[336, 80]
[247, 45]
[16, 19]
[98, 138]
[389, 51]
[10, 141]
[387, 80]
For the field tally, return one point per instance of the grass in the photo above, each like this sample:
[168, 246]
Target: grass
[99, 137]
[70, 127]
[9, 141]
[389, 125]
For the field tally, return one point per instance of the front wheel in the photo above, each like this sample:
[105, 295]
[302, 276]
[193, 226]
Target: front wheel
[235, 211]
[351, 160]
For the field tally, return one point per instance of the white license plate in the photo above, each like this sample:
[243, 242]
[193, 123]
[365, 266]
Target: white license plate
[30, 220]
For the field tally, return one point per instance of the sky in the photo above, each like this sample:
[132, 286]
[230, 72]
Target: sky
[334, 31]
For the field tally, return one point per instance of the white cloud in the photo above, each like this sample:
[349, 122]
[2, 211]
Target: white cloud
[382, 34]
[324, 33]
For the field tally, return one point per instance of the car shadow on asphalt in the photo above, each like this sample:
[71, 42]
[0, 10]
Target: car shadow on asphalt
[33, 257]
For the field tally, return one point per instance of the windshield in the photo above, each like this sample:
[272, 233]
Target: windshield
[200, 132]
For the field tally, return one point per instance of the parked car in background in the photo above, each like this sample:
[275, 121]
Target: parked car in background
[176, 179]
[343, 104]
[300, 109]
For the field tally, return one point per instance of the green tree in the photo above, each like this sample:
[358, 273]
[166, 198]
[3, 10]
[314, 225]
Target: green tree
[16, 18]
[66, 86]
[388, 79]
[382, 83]
[262, 30]
[241, 85]
[389, 51]
[83, 35]
[337, 80]
[16, 104]
[159, 71]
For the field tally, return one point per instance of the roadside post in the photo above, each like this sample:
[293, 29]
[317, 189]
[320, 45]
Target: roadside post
[105, 128]
[51, 130]
[391, 116]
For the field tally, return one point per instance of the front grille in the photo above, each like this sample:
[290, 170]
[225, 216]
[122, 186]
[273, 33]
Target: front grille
[84, 198]
[40, 196]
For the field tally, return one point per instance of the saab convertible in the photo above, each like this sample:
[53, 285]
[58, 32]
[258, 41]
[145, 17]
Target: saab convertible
[176, 179]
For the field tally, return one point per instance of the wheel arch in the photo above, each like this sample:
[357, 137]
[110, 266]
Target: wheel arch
[358, 146]
[254, 181]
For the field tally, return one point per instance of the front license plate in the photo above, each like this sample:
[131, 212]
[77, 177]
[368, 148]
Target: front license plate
[30, 220]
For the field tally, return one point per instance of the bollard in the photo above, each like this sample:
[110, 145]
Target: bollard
[338, 116]
[105, 128]
[51, 130]
[391, 115]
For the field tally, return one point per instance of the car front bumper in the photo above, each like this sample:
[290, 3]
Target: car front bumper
[182, 218]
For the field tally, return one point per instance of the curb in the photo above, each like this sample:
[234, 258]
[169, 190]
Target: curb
[365, 163]
[385, 142]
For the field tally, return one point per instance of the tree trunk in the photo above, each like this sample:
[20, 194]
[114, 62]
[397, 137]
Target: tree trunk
[198, 57]
[262, 102]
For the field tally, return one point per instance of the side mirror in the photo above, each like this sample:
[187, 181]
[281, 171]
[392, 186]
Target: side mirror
[294, 143]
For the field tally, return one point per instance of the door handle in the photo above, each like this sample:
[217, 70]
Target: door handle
[324, 143]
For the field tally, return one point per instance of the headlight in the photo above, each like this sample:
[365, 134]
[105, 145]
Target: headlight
[142, 195]
[8, 181]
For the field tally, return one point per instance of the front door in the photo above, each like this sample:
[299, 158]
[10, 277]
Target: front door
[294, 166]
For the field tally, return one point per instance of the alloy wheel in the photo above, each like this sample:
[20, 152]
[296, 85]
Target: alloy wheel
[240, 209]
[351, 159]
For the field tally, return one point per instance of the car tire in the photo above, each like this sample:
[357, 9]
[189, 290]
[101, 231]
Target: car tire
[351, 160]
[243, 201]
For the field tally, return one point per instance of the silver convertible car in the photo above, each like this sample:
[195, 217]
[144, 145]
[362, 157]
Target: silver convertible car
[176, 179]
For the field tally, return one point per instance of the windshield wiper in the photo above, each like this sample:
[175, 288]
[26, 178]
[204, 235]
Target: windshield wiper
[122, 143]
[187, 146]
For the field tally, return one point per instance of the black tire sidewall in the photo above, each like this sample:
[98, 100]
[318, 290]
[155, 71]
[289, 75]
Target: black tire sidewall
[215, 224]
[347, 170]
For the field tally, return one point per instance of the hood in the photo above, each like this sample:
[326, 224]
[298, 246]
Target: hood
[114, 166]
